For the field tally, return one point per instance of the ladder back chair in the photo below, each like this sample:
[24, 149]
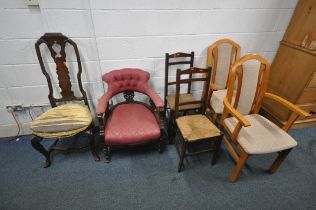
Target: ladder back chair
[251, 133]
[196, 127]
[65, 118]
[176, 60]
[221, 55]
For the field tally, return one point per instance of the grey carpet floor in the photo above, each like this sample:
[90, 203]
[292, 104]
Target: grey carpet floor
[144, 179]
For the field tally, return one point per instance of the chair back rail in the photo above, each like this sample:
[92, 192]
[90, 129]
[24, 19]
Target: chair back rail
[169, 62]
[197, 75]
[56, 44]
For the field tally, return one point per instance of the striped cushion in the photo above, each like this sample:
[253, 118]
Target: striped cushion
[62, 121]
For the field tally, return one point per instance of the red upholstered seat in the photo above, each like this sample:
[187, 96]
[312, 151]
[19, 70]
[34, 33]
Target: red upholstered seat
[131, 124]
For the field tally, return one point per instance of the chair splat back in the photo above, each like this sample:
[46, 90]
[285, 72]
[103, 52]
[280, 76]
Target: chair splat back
[56, 43]
[196, 75]
[249, 91]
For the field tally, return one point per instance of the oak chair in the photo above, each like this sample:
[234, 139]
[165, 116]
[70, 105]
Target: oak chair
[178, 59]
[220, 56]
[251, 133]
[66, 118]
[196, 127]
[129, 123]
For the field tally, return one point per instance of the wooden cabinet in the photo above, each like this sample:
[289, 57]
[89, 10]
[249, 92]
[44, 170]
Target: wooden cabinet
[293, 71]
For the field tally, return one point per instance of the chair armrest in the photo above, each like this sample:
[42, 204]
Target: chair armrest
[287, 104]
[103, 103]
[154, 97]
[213, 86]
[244, 122]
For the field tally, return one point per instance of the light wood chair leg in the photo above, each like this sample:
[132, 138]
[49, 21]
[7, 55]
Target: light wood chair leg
[281, 157]
[241, 162]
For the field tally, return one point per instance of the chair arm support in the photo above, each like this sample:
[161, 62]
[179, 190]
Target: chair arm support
[244, 122]
[154, 97]
[103, 103]
[213, 86]
[287, 104]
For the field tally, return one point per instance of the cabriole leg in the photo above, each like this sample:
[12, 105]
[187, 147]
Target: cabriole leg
[39, 147]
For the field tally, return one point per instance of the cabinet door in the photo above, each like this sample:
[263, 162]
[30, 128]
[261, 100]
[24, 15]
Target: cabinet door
[303, 23]
[291, 72]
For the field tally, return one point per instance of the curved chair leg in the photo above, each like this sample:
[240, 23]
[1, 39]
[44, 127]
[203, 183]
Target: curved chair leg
[241, 162]
[281, 157]
[182, 154]
[39, 147]
[107, 153]
[92, 145]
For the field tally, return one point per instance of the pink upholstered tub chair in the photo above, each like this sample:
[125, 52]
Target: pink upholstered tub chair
[130, 122]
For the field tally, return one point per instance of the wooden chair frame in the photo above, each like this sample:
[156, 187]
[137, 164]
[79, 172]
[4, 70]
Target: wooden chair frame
[58, 39]
[212, 55]
[129, 98]
[168, 63]
[185, 143]
[231, 109]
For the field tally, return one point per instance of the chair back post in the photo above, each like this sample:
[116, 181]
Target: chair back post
[190, 75]
[203, 78]
[56, 43]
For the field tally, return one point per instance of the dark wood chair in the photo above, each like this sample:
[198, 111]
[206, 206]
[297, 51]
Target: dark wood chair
[177, 59]
[129, 123]
[197, 127]
[67, 117]
[251, 133]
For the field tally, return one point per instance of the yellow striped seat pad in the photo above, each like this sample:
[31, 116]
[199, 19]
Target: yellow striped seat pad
[62, 121]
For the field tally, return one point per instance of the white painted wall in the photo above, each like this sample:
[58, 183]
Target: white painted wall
[114, 34]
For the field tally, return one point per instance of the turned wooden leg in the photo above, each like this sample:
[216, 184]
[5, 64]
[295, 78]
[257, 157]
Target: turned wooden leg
[39, 147]
[92, 145]
[281, 157]
[107, 153]
[217, 149]
[182, 154]
[241, 162]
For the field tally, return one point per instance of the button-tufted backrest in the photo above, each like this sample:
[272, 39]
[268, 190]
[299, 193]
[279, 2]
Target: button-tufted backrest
[127, 79]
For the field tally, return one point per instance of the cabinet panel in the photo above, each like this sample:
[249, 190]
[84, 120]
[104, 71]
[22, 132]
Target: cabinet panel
[303, 23]
[312, 83]
[308, 96]
[310, 108]
[290, 73]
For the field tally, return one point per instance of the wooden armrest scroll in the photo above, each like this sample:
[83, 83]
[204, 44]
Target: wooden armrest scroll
[287, 104]
[244, 122]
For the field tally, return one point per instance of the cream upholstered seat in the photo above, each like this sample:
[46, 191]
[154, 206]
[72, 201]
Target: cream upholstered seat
[217, 99]
[220, 55]
[262, 136]
[251, 133]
